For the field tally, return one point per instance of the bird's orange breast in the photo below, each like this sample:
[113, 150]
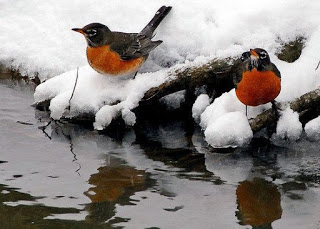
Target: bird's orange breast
[106, 61]
[258, 87]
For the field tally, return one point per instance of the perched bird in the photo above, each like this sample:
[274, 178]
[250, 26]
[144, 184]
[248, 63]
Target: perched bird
[257, 81]
[117, 53]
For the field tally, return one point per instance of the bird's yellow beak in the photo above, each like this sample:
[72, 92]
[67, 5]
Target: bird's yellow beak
[79, 30]
[253, 53]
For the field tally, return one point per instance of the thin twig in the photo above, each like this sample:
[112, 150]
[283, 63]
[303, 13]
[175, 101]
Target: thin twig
[317, 66]
[25, 123]
[43, 128]
[74, 88]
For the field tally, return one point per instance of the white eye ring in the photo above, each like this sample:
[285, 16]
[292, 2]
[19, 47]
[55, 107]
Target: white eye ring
[91, 32]
[263, 55]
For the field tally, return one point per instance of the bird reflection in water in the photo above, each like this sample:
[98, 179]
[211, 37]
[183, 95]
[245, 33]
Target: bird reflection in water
[113, 184]
[258, 203]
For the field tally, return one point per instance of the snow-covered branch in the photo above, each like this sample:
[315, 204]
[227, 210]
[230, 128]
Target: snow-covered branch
[307, 106]
[216, 75]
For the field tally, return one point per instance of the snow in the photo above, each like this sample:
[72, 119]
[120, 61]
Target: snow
[93, 91]
[224, 122]
[37, 38]
[199, 106]
[230, 130]
[289, 127]
[174, 100]
[227, 102]
[312, 129]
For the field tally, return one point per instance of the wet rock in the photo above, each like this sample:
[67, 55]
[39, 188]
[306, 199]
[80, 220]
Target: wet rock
[314, 178]
[294, 196]
[291, 51]
[292, 185]
[177, 208]
[14, 74]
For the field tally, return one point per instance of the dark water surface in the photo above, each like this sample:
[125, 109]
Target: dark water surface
[160, 176]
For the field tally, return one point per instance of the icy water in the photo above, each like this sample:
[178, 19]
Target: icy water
[159, 176]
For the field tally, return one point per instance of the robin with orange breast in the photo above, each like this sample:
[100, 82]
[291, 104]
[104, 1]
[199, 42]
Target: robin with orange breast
[117, 53]
[257, 81]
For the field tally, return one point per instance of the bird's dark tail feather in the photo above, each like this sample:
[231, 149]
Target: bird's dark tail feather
[155, 21]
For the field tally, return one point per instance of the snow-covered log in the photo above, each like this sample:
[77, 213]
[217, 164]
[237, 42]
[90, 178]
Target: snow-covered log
[216, 75]
[308, 107]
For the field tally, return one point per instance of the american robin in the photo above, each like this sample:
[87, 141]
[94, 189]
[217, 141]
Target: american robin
[118, 53]
[257, 81]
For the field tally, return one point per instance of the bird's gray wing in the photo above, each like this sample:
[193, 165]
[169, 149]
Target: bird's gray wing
[132, 46]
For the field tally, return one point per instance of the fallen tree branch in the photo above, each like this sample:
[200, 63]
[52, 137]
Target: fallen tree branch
[216, 75]
[308, 107]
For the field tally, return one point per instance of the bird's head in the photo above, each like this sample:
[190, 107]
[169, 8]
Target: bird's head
[96, 34]
[259, 58]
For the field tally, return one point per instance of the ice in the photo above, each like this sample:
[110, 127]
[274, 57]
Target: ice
[229, 130]
[289, 127]
[312, 129]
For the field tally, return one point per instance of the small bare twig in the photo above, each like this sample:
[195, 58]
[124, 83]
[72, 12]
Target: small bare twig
[25, 123]
[317, 66]
[43, 128]
[74, 88]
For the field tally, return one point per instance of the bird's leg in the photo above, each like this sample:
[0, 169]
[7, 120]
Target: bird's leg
[247, 112]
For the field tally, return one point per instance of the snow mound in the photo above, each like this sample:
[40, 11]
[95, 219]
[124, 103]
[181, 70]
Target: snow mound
[289, 127]
[312, 129]
[227, 102]
[201, 103]
[230, 130]
[95, 94]
[225, 123]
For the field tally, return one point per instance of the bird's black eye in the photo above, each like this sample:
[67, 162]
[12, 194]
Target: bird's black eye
[263, 55]
[91, 32]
